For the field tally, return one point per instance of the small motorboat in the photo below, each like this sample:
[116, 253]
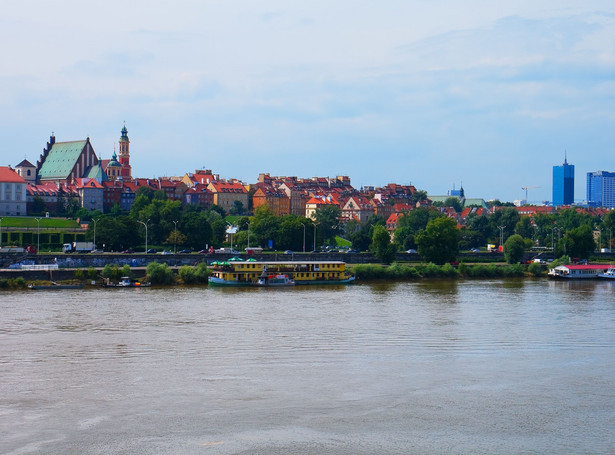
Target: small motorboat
[608, 275]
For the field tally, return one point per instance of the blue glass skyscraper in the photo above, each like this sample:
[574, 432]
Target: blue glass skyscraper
[563, 184]
[601, 189]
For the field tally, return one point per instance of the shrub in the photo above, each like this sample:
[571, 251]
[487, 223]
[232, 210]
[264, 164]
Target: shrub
[535, 269]
[514, 270]
[159, 273]
[369, 271]
[80, 274]
[127, 272]
[449, 271]
[92, 273]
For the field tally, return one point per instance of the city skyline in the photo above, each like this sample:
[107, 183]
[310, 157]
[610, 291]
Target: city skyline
[433, 95]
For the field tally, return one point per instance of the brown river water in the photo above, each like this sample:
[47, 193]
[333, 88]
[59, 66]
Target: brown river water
[428, 367]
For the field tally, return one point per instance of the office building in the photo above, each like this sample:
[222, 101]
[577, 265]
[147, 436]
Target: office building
[601, 189]
[563, 184]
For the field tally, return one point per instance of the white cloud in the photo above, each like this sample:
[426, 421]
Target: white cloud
[446, 90]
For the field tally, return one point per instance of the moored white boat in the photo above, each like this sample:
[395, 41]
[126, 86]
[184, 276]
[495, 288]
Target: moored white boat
[609, 274]
[577, 271]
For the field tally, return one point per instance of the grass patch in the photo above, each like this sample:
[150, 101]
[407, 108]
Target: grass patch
[47, 223]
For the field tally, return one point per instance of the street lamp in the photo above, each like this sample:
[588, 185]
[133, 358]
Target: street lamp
[175, 238]
[144, 224]
[95, 221]
[553, 229]
[38, 234]
[501, 228]
[304, 238]
[314, 236]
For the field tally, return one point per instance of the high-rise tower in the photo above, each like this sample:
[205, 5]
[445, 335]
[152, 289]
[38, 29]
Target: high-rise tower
[124, 155]
[601, 189]
[563, 184]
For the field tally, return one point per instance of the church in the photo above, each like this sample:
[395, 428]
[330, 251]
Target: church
[62, 163]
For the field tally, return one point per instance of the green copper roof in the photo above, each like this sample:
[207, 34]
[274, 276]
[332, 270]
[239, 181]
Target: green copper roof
[61, 160]
[475, 201]
[96, 172]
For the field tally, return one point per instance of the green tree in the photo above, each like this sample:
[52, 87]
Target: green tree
[608, 227]
[409, 224]
[569, 219]
[524, 227]
[438, 243]
[508, 217]
[418, 196]
[578, 242]
[39, 207]
[470, 239]
[265, 226]
[480, 224]
[237, 208]
[197, 229]
[328, 221]
[381, 245]
[514, 248]
[454, 202]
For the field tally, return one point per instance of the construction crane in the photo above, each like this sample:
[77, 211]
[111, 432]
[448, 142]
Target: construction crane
[525, 188]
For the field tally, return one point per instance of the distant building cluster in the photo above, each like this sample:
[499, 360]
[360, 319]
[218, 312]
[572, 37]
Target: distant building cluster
[72, 171]
[600, 187]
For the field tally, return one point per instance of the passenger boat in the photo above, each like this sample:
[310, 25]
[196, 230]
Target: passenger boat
[608, 275]
[576, 272]
[248, 273]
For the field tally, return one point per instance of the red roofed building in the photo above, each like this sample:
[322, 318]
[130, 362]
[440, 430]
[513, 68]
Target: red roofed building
[358, 208]
[275, 198]
[202, 176]
[91, 193]
[391, 222]
[13, 192]
[112, 194]
[173, 189]
[199, 195]
[226, 193]
[317, 202]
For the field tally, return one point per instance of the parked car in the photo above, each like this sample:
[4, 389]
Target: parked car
[186, 251]
[354, 251]
[129, 251]
[289, 252]
[411, 250]
[152, 250]
[475, 250]
[203, 251]
[165, 252]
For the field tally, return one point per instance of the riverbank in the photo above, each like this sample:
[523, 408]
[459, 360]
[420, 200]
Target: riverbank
[163, 274]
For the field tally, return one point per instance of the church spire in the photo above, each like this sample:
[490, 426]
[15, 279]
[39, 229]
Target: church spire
[124, 154]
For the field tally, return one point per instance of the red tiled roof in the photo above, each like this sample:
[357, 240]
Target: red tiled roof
[8, 175]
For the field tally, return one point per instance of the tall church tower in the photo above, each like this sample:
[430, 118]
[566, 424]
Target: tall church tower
[124, 155]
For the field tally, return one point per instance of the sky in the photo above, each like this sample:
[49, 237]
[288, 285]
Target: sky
[488, 95]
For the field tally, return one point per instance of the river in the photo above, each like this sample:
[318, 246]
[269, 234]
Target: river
[426, 367]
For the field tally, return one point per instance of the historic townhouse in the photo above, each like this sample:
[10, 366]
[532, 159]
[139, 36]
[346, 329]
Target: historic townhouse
[12, 193]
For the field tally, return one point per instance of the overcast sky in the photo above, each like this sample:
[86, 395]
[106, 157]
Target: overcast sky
[433, 93]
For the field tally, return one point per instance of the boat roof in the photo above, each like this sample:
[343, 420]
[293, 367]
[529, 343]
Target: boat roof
[283, 262]
[586, 266]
